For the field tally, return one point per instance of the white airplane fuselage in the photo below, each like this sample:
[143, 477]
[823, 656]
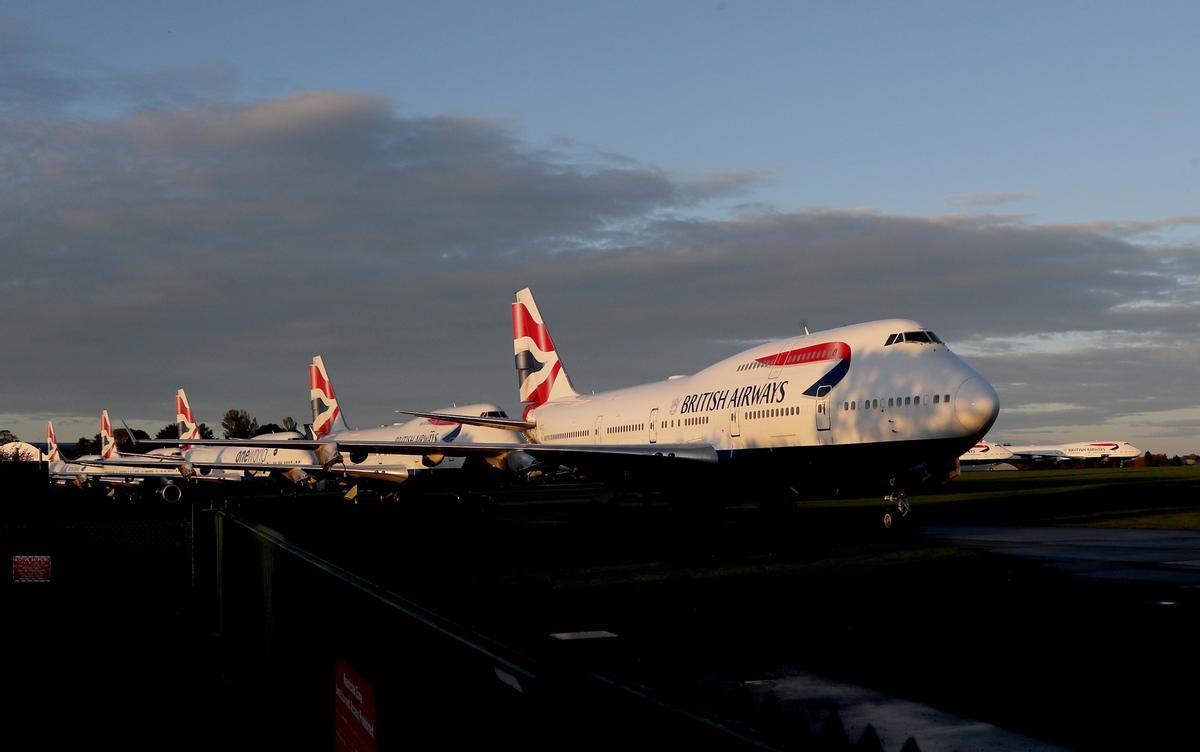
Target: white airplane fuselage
[242, 455]
[986, 452]
[398, 467]
[829, 399]
[1094, 450]
[392, 468]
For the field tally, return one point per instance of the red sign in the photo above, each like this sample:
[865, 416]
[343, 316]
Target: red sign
[31, 569]
[353, 711]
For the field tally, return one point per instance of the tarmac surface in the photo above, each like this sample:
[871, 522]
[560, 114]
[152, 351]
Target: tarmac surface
[1158, 557]
[962, 635]
[894, 720]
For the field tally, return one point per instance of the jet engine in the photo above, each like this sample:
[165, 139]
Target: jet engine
[170, 493]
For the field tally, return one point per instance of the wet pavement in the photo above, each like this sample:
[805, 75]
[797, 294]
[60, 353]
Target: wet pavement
[894, 720]
[1159, 557]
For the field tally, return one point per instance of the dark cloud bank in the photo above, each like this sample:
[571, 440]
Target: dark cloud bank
[218, 245]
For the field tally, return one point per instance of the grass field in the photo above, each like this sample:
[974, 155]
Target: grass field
[1152, 497]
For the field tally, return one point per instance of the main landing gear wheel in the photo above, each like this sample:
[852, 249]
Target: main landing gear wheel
[896, 514]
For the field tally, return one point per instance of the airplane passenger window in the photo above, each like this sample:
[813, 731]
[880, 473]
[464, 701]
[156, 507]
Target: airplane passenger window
[917, 400]
[875, 403]
[945, 398]
[908, 400]
[852, 406]
[889, 401]
[936, 398]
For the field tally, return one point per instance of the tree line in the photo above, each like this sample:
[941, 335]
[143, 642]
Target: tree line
[237, 424]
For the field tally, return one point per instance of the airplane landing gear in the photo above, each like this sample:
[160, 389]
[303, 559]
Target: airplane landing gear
[897, 510]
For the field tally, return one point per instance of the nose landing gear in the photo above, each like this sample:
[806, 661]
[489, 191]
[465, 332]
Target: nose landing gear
[895, 514]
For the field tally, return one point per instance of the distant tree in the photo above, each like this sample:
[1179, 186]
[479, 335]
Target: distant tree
[7, 436]
[87, 446]
[238, 424]
[125, 441]
[289, 423]
[171, 431]
[268, 428]
[1175, 461]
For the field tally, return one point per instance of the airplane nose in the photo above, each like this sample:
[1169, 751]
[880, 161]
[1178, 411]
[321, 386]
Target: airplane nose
[976, 405]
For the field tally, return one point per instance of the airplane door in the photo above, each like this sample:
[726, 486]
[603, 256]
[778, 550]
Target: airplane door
[598, 429]
[735, 428]
[823, 417]
[654, 426]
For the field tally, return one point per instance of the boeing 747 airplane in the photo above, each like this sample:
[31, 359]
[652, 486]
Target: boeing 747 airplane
[884, 400]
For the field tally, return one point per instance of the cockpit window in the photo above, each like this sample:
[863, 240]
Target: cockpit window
[495, 414]
[926, 337]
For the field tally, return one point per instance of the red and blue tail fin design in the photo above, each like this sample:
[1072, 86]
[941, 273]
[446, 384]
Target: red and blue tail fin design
[327, 416]
[52, 453]
[540, 373]
[184, 420]
[108, 442]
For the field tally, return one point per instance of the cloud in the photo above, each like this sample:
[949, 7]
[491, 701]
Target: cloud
[1132, 228]
[218, 244]
[972, 200]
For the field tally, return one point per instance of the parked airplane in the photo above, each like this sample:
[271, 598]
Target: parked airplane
[282, 454]
[298, 458]
[1096, 450]
[791, 413]
[984, 452]
[359, 461]
[61, 471]
[155, 473]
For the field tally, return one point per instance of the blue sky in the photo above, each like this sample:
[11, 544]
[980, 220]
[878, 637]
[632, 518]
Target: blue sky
[372, 182]
[896, 106]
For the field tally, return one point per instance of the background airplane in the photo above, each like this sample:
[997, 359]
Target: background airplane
[1080, 450]
[985, 452]
[154, 472]
[370, 454]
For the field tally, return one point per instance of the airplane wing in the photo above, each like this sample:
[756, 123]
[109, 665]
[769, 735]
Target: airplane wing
[689, 452]
[182, 465]
[310, 444]
[1031, 453]
[506, 424]
[122, 471]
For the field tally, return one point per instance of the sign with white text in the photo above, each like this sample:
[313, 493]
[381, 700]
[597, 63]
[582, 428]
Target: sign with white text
[31, 568]
[353, 711]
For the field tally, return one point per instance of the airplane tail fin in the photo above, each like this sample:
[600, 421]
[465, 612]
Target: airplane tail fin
[52, 454]
[184, 420]
[108, 442]
[540, 374]
[327, 415]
